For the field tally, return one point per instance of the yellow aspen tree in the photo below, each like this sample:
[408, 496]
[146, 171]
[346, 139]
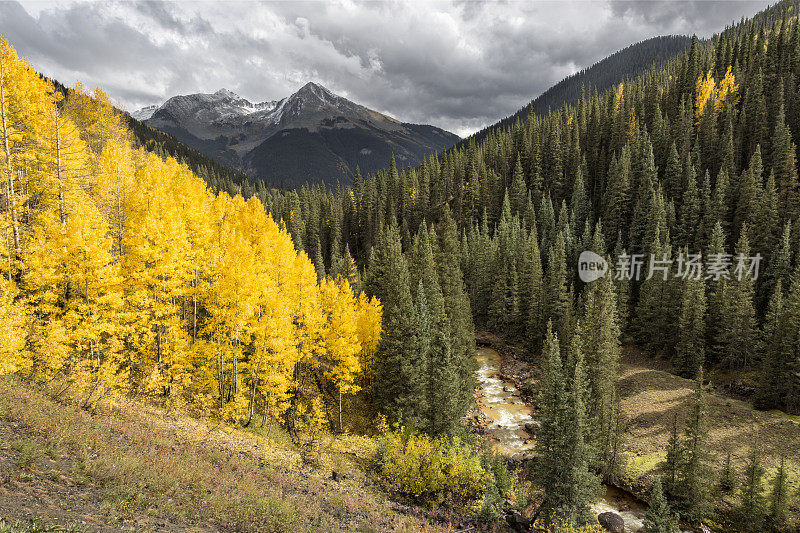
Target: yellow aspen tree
[369, 330]
[92, 319]
[23, 101]
[12, 330]
[235, 300]
[157, 275]
[113, 187]
[342, 344]
[275, 353]
[60, 162]
[94, 114]
[705, 89]
[309, 327]
[708, 89]
[727, 90]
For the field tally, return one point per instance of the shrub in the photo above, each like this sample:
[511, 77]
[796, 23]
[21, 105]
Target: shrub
[432, 469]
[28, 453]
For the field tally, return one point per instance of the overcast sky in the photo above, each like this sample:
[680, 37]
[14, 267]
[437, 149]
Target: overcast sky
[459, 65]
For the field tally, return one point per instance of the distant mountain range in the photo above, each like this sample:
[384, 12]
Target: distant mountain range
[313, 135]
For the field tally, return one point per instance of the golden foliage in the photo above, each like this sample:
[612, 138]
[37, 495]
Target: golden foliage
[433, 469]
[137, 277]
[708, 90]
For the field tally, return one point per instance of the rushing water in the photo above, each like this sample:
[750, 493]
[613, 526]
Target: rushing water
[508, 416]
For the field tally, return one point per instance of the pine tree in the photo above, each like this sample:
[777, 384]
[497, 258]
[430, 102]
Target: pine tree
[752, 507]
[690, 353]
[727, 477]
[778, 500]
[659, 517]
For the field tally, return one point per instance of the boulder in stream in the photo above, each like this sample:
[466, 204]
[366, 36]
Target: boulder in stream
[532, 426]
[611, 522]
[517, 521]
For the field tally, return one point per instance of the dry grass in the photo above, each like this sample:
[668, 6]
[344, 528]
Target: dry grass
[652, 397]
[149, 461]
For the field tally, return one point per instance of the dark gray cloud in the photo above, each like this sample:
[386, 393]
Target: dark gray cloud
[460, 65]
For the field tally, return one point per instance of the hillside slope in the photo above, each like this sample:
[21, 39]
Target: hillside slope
[133, 467]
[626, 63]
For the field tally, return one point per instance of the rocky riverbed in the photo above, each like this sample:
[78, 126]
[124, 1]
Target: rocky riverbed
[507, 418]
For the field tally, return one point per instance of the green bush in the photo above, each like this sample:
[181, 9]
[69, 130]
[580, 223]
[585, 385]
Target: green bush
[433, 469]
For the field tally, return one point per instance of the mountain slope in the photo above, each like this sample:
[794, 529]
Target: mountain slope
[312, 135]
[628, 62]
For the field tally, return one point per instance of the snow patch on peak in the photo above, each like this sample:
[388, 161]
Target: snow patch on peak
[225, 93]
[145, 112]
[317, 91]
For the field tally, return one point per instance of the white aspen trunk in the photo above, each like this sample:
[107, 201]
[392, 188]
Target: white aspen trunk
[9, 168]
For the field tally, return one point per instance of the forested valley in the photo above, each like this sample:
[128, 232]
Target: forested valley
[354, 311]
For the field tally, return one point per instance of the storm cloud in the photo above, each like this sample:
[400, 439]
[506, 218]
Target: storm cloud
[458, 65]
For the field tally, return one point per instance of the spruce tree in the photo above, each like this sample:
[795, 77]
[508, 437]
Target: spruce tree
[561, 439]
[535, 294]
[554, 414]
[659, 517]
[556, 295]
[457, 307]
[752, 507]
[584, 483]
[674, 460]
[737, 330]
[690, 353]
[716, 297]
[779, 497]
[399, 362]
[693, 488]
[601, 344]
[773, 346]
[792, 345]
[727, 477]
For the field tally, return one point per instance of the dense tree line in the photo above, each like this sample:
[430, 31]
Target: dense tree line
[693, 162]
[609, 71]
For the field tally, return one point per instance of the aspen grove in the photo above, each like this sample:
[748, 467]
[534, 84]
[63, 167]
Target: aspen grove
[123, 271]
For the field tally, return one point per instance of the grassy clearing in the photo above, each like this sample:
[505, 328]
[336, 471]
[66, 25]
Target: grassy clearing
[652, 397]
[146, 462]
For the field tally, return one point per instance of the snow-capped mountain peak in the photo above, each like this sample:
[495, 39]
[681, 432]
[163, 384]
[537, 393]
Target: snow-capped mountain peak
[225, 93]
[145, 112]
[312, 127]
